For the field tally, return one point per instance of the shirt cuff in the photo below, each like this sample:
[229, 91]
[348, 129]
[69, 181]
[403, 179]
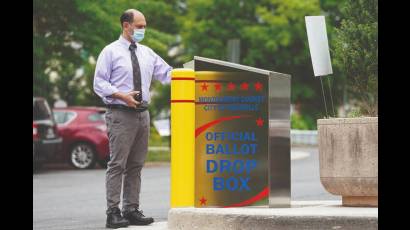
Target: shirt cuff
[167, 79]
[110, 91]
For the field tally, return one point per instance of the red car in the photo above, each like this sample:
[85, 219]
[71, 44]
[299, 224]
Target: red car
[84, 133]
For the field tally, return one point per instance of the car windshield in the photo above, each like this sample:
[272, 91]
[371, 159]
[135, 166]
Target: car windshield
[62, 117]
[59, 116]
[98, 116]
[41, 110]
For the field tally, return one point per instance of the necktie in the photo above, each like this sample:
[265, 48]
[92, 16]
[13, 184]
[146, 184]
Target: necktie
[136, 72]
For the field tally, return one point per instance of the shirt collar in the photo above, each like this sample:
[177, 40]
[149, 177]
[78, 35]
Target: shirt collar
[125, 42]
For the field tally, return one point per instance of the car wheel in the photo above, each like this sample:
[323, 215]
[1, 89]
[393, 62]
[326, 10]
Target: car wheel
[82, 156]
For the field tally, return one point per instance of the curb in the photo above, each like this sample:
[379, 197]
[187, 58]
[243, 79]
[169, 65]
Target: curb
[302, 215]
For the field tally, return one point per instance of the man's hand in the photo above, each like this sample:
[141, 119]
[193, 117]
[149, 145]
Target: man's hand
[128, 98]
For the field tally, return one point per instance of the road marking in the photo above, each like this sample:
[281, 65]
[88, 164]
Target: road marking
[158, 148]
[298, 155]
[162, 225]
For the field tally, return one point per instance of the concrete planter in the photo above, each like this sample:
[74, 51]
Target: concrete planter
[348, 158]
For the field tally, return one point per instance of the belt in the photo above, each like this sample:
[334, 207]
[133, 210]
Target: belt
[140, 108]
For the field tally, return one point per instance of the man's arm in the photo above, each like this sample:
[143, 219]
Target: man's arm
[127, 98]
[162, 71]
[102, 85]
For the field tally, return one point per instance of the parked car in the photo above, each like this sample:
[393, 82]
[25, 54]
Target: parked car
[46, 141]
[84, 133]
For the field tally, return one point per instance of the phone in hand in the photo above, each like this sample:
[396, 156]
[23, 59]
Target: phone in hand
[138, 97]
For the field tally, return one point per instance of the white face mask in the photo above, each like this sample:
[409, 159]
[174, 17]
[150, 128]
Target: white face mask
[138, 35]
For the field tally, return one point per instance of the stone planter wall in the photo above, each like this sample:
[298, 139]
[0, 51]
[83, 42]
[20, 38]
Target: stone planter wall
[348, 157]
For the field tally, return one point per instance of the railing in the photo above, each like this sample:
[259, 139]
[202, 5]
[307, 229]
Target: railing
[297, 137]
[304, 137]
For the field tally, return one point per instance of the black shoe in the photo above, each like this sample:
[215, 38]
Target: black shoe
[115, 220]
[135, 217]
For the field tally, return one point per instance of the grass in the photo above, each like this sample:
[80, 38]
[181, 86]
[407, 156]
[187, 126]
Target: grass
[158, 156]
[156, 140]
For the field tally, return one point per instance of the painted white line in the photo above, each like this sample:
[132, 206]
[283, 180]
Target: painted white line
[162, 225]
[158, 148]
[297, 155]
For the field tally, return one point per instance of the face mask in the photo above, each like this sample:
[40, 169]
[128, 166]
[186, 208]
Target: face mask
[138, 35]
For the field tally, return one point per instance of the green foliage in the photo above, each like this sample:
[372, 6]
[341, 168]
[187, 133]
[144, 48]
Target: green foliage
[160, 100]
[158, 156]
[272, 36]
[356, 52]
[69, 34]
[302, 122]
[297, 122]
[155, 139]
[355, 113]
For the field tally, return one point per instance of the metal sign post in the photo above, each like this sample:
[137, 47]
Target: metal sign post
[319, 52]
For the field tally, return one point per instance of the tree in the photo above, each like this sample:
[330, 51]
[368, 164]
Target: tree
[50, 42]
[69, 34]
[272, 34]
[356, 52]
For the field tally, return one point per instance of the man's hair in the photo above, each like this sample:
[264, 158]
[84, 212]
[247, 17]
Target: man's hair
[127, 16]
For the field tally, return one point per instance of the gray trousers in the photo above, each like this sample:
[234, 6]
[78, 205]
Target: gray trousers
[128, 133]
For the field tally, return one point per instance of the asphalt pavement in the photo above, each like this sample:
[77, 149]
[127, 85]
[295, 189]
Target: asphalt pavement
[65, 198]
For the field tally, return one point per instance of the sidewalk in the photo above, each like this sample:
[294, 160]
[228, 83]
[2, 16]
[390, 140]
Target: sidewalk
[162, 225]
[302, 215]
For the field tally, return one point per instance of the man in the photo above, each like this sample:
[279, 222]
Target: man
[122, 79]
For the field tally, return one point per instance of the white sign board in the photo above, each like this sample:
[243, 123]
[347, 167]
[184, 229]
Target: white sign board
[60, 104]
[162, 127]
[318, 45]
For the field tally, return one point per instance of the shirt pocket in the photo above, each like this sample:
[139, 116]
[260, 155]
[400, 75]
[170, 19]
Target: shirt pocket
[120, 68]
[147, 66]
